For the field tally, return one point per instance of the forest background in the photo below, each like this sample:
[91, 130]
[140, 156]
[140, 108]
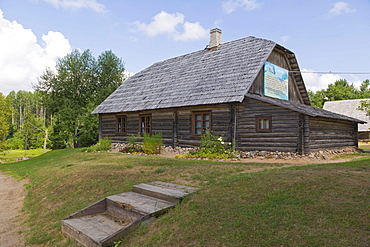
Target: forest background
[61, 105]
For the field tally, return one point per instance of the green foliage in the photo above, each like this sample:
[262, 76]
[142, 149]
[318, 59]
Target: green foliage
[339, 90]
[152, 143]
[365, 106]
[5, 120]
[160, 170]
[212, 147]
[317, 99]
[104, 144]
[29, 120]
[116, 243]
[81, 82]
[16, 142]
[132, 144]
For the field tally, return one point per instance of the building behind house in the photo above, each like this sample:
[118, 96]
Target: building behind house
[351, 108]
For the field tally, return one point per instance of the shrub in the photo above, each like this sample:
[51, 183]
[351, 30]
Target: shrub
[132, 145]
[104, 144]
[212, 147]
[152, 143]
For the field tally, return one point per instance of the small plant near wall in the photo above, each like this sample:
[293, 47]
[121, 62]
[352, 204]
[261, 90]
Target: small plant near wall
[104, 144]
[152, 143]
[212, 147]
[132, 145]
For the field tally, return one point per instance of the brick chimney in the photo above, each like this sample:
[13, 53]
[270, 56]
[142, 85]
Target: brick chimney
[216, 38]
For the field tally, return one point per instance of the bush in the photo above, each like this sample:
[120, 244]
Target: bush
[132, 145]
[212, 147]
[152, 144]
[103, 145]
[15, 142]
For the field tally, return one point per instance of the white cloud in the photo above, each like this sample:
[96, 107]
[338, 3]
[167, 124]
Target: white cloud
[162, 23]
[232, 5]
[315, 81]
[22, 59]
[192, 31]
[218, 22]
[173, 25]
[127, 74]
[340, 8]
[78, 4]
[285, 38]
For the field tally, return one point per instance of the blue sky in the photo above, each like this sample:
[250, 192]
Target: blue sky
[325, 35]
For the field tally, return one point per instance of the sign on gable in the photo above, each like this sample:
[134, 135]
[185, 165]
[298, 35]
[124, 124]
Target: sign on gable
[276, 81]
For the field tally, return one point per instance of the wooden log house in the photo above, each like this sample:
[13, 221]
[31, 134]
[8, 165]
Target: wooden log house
[350, 108]
[249, 91]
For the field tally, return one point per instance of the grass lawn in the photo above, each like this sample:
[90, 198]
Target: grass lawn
[12, 155]
[239, 204]
[364, 145]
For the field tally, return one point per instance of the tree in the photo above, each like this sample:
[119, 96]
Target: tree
[364, 89]
[5, 120]
[79, 84]
[28, 117]
[110, 70]
[339, 90]
[317, 99]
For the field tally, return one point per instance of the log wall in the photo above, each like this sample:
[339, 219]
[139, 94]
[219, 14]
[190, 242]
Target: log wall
[174, 124]
[284, 135]
[331, 134]
[291, 131]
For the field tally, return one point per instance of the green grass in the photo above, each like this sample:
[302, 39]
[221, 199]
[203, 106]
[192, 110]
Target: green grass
[12, 155]
[239, 204]
[364, 145]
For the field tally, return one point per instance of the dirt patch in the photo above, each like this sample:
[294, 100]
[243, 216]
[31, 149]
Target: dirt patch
[12, 193]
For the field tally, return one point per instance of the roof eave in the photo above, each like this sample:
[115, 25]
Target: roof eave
[289, 106]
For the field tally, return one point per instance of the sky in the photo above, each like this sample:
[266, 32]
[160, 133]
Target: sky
[330, 38]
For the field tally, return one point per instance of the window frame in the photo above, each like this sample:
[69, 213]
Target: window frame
[259, 119]
[145, 124]
[193, 122]
[124, 128]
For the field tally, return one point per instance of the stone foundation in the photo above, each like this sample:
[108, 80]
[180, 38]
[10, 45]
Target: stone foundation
[320, 155]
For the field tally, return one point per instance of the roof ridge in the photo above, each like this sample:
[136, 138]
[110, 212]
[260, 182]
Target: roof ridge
[202, 77]
[332, 101]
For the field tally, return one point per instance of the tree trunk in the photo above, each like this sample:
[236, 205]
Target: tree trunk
[45, 139]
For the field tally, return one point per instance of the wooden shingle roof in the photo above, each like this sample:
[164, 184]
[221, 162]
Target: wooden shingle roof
[204, 77]
[305, 109]
[349, 108]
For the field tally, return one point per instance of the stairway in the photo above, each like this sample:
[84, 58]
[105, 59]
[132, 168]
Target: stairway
[113, 217]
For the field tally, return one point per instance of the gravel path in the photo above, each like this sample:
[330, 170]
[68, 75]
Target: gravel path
[12, 193]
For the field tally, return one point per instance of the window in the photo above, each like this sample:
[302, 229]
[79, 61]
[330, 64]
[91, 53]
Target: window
[201, 123]
[145, 124]
[263, 123]
[121, 125]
